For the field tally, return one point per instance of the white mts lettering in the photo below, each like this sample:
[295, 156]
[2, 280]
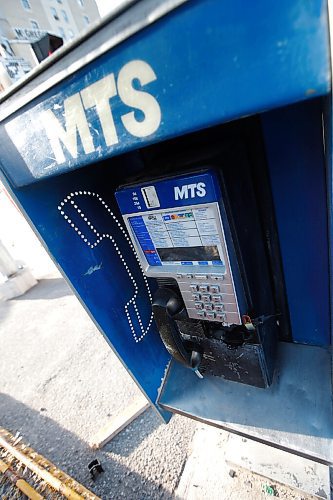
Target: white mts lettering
[138, 99]
[98, 94]
[75, 121]
[181, 192]
[192, 187]
[201, 189]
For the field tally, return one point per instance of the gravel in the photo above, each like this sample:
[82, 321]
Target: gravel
[60, 383]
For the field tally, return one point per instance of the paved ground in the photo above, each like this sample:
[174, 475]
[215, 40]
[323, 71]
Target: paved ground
[60, 382]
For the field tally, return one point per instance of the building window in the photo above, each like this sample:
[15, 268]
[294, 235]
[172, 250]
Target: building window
[70, 34]
[80, 2]
[26, 4]
[86, 20]
[34, 24]
[64, 15]
[54, 14]
[62, 33]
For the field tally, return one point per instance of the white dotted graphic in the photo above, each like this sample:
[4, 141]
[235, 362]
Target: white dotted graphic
[100, 237]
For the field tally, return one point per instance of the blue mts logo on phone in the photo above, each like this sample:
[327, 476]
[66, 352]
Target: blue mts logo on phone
[178, 191]
[190, 191]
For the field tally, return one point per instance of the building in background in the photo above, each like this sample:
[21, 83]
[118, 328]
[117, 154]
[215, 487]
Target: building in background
[25, 21]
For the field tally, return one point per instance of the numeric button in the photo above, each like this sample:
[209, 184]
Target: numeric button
[208, 307]
[221, 317]
[205, 297]
[203, 288]
[198, 305]
[216, 299]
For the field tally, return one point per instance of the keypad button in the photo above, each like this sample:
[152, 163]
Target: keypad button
[217, 277]
[179, 275]
[219, 307]
[196, 296]
[201, 314]
[221, 317]
[198, 305]
[194, 287]
[203, 288]
[208, 307]
[214, 288]
[205, 297]
[200, 276]
[189, 276]
[216, 299]
[210, 315]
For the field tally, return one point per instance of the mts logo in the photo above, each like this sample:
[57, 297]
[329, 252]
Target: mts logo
[190, 191]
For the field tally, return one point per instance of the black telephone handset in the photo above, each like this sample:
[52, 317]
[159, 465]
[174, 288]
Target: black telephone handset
[167, 307]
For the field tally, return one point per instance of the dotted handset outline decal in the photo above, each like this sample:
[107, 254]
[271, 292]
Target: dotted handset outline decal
[100, 237]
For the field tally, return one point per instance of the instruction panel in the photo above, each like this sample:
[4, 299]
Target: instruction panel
[186, 236]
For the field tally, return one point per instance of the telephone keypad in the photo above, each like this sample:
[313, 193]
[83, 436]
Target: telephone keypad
[210, 297]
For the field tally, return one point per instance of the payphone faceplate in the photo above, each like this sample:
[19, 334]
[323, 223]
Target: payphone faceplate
[186, 242]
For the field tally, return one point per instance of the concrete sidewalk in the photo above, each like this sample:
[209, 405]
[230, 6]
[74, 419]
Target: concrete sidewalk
[60, 382]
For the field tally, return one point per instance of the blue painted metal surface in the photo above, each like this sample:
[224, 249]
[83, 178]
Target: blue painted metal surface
[77, 217]
[228, 58]
[294, 414]
[294, 145]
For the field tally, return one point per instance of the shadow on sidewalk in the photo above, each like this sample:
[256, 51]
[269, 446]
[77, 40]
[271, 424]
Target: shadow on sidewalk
[73, 455]
[46, 289]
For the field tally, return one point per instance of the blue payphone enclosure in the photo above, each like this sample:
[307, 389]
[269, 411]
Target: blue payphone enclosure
[155, 70]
